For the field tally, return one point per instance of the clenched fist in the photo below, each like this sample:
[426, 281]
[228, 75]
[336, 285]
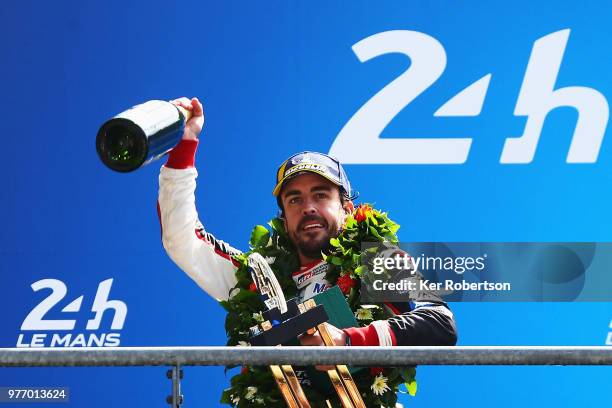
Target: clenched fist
[338, 337]
[194, 125]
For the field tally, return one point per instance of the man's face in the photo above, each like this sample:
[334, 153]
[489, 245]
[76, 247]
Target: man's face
[313, 213]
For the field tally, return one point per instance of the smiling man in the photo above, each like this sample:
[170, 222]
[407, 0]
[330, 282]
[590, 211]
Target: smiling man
[313, 211]
[315, 196]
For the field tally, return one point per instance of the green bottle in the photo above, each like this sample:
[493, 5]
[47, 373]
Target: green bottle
[140, 135]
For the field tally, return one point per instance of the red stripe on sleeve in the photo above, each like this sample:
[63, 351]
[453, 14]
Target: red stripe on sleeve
[183, 155]
[222, 254]
[393, 308]
[362, 336]
[228, 257]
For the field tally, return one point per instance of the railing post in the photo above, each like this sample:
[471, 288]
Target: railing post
[176, 375]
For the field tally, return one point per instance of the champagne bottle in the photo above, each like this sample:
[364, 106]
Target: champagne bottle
[140, 135]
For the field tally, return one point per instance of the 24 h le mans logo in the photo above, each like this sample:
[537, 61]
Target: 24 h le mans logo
[359, 141]
[41, 332]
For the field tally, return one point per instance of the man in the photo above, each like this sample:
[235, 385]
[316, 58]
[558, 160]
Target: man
[315, 197]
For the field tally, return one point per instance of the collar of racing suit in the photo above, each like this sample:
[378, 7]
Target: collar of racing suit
[310, 279]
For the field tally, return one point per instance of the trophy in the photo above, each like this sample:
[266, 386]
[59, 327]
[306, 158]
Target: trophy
[285, 320]
[140, 135]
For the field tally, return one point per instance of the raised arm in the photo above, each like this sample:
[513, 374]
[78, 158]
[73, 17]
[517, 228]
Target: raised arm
[205, 259]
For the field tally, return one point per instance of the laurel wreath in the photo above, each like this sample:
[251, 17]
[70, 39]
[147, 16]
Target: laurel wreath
[255, 386]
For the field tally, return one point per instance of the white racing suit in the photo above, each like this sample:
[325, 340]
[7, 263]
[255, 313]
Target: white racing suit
[208, 261]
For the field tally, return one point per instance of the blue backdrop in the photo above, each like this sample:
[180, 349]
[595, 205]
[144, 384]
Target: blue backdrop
[276, 78]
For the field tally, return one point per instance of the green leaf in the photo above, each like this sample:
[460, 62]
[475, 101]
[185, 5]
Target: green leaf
[360, 270]
[243, 296]
[241, 258]
[336, 260]
[412, 387]
[225, 397]
[375, 234]
[277, 225]
[347, 264]
[388, 399]
[389, 236]
[350, 222]
[334, 242]
[408, 374]
[392, 374]
[259, 236]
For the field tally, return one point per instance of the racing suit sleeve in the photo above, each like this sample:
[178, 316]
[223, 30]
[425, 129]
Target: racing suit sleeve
[423, 320]
[205, 259]
[419, 324]
[423, 324]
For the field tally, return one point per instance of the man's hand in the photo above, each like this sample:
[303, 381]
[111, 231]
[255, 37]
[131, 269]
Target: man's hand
[194, 125]
[338, 336]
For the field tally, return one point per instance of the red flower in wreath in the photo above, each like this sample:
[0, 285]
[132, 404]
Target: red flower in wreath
[253, 287]
[374, 371]
[362, 212]
[345, 282]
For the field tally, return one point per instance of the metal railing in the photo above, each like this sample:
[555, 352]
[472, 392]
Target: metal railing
[176, 357]
[359, 356]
